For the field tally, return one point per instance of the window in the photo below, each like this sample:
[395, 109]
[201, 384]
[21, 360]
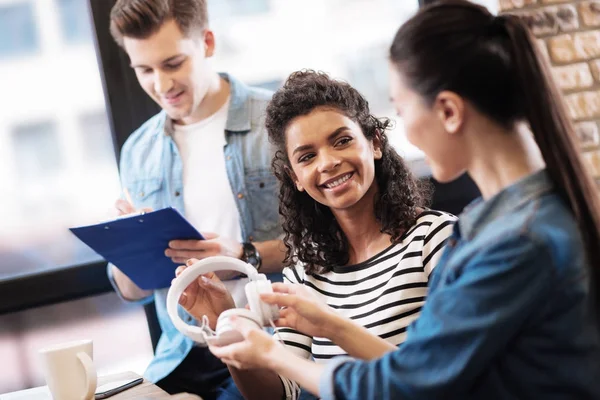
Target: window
[93, 128]
[53, 176]
[269, 85]
[368, 77]
[18, 33]
[75, 21]
[37, 151]
[58, 170]
[228, 8]
[347, 39]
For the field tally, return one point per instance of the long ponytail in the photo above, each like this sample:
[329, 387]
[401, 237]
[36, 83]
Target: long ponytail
[494, 62]
[553, 131]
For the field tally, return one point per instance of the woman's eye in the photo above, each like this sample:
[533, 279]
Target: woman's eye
[305, 157]
[343, 141]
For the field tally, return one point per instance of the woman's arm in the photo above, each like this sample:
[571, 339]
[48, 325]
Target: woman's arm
[259, 359]
[308, 314]
[356, 340]
[305, 372]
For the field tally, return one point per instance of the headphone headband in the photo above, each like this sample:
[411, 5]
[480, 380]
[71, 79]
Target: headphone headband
[209, 264]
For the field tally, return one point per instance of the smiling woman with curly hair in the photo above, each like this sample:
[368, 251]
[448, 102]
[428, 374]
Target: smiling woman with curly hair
[313, 234]
[358, 235]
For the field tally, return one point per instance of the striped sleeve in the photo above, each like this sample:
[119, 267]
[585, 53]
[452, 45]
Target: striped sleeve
[435, 240]
[298, 343]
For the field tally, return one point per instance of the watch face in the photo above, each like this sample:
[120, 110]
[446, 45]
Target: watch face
[251, 256]
[252, 260]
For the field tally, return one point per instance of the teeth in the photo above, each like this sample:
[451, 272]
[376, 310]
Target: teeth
[338, 182]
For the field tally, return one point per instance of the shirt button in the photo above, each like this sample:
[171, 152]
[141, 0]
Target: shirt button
[228, 158]
[261, 185]
[177, 193]
[240, 196]
[141, 194]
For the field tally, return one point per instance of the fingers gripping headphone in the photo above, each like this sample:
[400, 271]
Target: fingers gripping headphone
[259, 315]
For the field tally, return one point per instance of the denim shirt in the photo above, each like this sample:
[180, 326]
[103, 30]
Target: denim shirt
[151, 170]
[507, 316]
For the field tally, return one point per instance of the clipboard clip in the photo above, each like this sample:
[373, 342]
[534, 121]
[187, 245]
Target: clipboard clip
[135, 214]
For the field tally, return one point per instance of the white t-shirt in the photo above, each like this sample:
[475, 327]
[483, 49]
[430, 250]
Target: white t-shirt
[207, 195]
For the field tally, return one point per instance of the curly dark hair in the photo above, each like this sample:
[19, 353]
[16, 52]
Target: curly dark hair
[312, 234]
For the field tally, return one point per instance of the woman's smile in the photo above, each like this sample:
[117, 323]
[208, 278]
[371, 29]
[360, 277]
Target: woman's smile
[338, 183]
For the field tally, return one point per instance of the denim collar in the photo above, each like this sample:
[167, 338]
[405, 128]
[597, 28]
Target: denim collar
[238, 114]
[479, 213]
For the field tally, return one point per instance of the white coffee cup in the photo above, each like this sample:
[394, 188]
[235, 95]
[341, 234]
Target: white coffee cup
[69, 370]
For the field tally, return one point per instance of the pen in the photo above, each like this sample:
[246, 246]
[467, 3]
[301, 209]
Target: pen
[130, 201]
[128, 197]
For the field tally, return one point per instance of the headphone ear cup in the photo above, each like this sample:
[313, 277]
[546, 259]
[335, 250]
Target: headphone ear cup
[224, 323]
[252, 295]
[265, 311]
[225, 333]
[270, 311]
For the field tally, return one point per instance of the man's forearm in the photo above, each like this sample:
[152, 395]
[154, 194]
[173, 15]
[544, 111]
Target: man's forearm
[128, 289]
[272, 253]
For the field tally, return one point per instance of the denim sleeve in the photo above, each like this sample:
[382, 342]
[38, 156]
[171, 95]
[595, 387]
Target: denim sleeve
[466, 321]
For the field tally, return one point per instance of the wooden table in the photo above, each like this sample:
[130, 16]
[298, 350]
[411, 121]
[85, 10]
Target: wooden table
[143, 391]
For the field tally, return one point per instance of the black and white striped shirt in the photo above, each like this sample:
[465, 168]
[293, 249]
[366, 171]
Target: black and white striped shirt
[384, 294]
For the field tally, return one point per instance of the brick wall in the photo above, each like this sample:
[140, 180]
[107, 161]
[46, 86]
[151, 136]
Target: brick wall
[568, 33]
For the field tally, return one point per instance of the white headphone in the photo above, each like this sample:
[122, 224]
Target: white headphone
[259, 315]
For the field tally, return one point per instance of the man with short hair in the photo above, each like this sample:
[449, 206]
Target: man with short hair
[205, 154]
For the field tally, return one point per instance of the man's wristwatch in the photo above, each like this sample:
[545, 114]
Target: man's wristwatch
[251, 256]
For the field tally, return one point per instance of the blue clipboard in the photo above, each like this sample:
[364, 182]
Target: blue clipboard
[136, 244]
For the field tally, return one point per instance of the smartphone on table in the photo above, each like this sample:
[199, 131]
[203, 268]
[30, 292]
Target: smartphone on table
[112, 388]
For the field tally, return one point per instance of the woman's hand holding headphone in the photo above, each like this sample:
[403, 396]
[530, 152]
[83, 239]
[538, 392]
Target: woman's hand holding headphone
[258, 349]
[205, 296]
[303, 310]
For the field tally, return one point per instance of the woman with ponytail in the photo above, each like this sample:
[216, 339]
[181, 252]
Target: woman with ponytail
[512, 306]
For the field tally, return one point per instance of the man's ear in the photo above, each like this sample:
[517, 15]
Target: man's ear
[294, 179]
[450, 109]
[209, 43]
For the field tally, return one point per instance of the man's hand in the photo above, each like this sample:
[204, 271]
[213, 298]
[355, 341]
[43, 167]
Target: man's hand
[128, 289]
[205, 296]
[124, 207]
[214, 245]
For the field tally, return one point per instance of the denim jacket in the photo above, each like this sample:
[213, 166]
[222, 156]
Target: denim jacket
[507, 316]
[151, 170]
